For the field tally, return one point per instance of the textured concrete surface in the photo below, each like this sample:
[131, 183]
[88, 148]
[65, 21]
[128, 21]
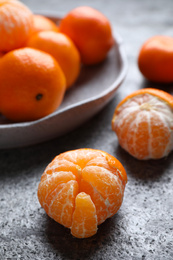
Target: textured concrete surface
[143, 227]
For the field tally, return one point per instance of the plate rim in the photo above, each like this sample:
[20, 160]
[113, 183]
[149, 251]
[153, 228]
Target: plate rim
[112, 87]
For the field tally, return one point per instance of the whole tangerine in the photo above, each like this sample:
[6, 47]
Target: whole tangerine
[32, 85]
[62, 49]
[143, 122]
[16, 25]
[91, 32]
[80, 189]
[155, 59]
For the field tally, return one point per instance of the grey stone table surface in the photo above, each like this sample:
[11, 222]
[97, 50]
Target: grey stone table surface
[143, 227]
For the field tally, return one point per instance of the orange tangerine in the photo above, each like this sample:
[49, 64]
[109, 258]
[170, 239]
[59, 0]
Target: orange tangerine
[155, 59]
[62, 49]
[42, 23]
[91, 32]
[80, 189]
[16, 24]
[143, 122]
[32, 84]
[84, 221]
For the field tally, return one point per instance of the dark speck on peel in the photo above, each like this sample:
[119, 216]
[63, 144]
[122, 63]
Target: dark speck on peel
[39, 96]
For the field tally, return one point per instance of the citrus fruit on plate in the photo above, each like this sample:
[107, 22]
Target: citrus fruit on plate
[80, 189]
[143, 122]
[91, 31]
[32, 84]
[95, 87]
[16, 24]
[61, 47]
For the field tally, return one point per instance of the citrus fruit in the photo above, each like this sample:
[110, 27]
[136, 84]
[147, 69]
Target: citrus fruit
[91, 31]
[42, 23]
[80, 189]
[155, 59]
[32, 84]
[62, 49]
[16, 24]
[143, 122]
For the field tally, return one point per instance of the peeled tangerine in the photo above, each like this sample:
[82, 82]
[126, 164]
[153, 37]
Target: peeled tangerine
[143, 122]
[80, 189]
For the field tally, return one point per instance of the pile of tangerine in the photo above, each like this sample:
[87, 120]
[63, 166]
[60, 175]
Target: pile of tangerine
[39, 60]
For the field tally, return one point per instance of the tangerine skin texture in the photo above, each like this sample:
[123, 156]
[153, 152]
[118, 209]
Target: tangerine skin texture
[1, 54]
[80, 189]
[32, 85]
[155, 59]
[16, 25]
[143, 122]
[91, 32]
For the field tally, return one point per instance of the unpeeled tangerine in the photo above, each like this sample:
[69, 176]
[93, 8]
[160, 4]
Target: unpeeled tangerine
[80, 189]
[16, 25]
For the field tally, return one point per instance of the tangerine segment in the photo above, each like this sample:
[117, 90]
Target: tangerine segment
[143, 122]
[155, 59]
[94, 174]
[48, 188]
[107, 184]
[91, 32]
[42, 23]
[98, 200]
[84, 223]
[32, 84]
[62, 49]
[62, 165]
[110, 163]
[16, 24]
[63, 204]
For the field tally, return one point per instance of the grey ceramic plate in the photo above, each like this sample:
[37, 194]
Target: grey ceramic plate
[95, 87]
